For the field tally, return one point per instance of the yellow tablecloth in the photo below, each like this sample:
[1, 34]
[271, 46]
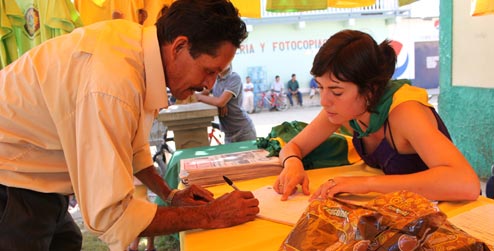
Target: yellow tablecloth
[261, 234]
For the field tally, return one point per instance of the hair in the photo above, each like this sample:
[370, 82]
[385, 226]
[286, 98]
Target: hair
[293, 75]
[206, 23]
[354, 56]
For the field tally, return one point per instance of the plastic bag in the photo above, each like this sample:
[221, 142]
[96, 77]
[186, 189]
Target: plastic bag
[399, 221]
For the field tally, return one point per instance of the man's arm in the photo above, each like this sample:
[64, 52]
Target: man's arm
[154, 182]
[228, 210]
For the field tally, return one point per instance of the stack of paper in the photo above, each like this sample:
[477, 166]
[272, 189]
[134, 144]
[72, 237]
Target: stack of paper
[209, 170]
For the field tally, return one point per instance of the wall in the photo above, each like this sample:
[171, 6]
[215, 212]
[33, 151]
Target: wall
[283, 49]
[467, 111]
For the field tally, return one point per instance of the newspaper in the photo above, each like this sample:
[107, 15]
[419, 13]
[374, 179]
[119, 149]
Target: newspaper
[209, 170]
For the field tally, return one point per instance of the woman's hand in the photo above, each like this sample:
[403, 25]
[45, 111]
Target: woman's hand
[293, 174]
[337, 185]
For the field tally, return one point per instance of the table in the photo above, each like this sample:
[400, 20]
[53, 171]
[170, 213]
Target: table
[189, 123]
[266, 235]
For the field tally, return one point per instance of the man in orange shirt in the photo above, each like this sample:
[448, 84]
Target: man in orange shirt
[75, 118]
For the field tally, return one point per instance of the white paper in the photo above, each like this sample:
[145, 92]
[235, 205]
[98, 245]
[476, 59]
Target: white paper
[272, 208]
[478, 222]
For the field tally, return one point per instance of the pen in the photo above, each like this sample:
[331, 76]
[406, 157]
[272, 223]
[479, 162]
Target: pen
[230, 182]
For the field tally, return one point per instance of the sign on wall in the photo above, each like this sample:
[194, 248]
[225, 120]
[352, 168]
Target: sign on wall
[473, 48]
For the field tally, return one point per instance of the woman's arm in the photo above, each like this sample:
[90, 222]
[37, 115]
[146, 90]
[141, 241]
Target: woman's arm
[291, 154]
[449, 177]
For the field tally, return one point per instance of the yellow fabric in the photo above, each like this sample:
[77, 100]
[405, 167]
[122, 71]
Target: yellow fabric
[280, 141]
[295, 5]
[350, 3]
[10, 16]
[408, 93]
[482, 7]
[153, 8]
[265, 235]
[353, 156]
[93, 11]
[100, 3]
[248, 8]
[405, 2]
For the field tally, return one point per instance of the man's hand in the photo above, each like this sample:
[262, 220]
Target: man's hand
[232, 209]
[223, 111]
[192, 196]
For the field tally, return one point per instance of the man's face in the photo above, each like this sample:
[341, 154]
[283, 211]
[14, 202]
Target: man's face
[186, 75]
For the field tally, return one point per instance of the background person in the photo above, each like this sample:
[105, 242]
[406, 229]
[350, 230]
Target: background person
[394, 127]
[248, 102]
[293, 89]
[227, 96]
[276, 91]
[75, 117]
[313, 88]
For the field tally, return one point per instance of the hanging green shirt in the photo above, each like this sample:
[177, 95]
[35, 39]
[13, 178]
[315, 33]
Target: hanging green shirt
[44, 20]
[10, 15]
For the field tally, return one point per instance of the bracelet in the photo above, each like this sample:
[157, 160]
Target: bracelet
[170, 196]
[291, 156]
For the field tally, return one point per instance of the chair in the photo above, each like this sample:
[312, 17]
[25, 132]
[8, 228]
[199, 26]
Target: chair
[489, 186]
[215, 130]
[159, 138]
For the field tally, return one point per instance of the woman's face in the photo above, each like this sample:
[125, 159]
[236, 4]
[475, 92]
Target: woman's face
[340, 100]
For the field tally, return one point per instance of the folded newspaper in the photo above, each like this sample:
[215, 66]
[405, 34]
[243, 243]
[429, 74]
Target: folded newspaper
[209, 170]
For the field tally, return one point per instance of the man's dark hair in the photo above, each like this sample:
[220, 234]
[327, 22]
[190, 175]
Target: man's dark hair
[206, 23]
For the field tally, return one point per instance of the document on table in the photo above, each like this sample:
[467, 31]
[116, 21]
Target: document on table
[272, 208]
[477, 222]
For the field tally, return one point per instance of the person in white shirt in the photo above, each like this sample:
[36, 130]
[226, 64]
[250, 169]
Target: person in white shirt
[276, 91]
[248, 102]
[75, 118]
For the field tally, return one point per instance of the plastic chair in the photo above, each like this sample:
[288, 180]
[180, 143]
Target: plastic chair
[489, 186]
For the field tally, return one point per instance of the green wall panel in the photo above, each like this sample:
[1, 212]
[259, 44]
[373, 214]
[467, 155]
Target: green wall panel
[468, 112]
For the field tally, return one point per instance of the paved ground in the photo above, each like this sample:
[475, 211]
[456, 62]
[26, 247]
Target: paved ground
[265, 120]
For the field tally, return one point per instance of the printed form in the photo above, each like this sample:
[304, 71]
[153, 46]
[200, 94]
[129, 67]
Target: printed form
[478, 222]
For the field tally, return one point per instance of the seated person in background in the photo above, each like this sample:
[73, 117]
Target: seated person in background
[394, 128]
[293, 90]
[313, 88]
[227, 96]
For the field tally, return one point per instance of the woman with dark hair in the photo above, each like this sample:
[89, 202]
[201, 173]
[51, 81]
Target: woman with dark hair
[394, 127]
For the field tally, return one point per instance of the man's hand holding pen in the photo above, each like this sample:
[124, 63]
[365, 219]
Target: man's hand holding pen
[232, 209]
